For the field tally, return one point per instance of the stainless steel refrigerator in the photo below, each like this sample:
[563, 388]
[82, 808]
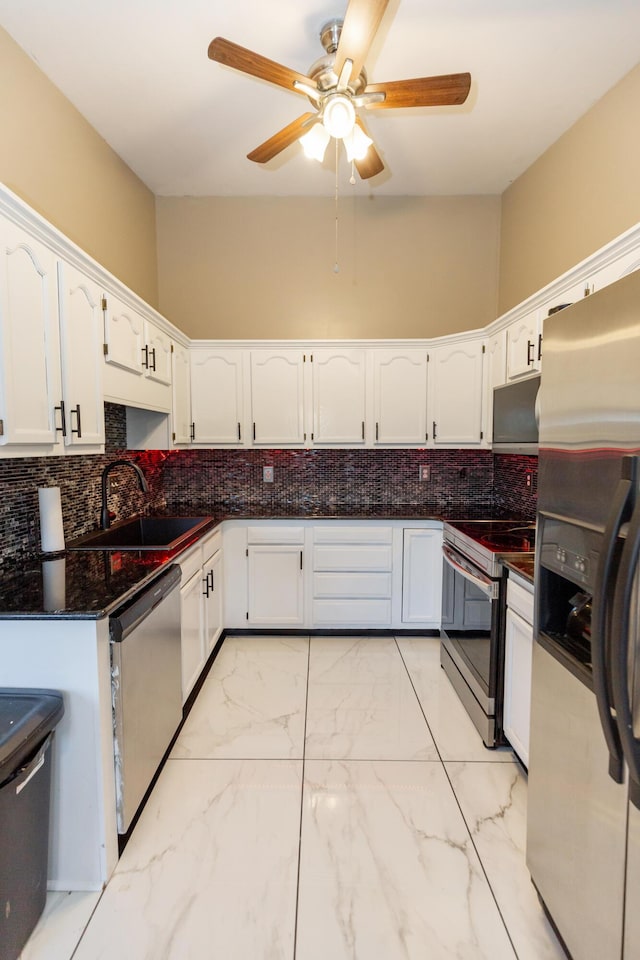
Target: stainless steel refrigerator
[583, 842]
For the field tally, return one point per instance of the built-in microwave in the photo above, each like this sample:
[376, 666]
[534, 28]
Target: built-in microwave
[515, 419]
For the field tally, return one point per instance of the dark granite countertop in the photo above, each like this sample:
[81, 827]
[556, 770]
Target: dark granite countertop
[90, 585]
[523, 566]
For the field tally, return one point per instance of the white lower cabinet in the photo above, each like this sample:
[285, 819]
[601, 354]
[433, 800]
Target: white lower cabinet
[352, 576]
[517, 665]
[213, 606]
[332, 574]
[422, 576]
[275, 567]
[200, 606]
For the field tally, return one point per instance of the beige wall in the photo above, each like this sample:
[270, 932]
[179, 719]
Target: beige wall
[263, 267]
[580, 194]
[55, 161]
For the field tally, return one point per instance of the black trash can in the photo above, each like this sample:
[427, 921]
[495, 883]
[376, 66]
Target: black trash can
[27, 721]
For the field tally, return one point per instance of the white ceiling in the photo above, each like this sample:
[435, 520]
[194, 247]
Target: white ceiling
[138, 71]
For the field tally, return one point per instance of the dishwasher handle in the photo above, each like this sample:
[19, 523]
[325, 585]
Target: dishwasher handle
[127, 617]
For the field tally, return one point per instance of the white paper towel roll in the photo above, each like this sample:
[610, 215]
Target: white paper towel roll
[54, 584]
[51, 530]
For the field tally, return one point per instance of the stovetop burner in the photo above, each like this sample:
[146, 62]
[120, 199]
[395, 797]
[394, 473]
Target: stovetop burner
[486, 541]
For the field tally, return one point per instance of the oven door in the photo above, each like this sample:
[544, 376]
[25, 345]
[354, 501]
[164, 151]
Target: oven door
[470, 641]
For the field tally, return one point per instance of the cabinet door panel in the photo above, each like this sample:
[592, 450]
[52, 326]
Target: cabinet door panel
[524, 346]
[275, 585]
[124, 336]
[338, 396]
[517, 683]
[212, 574]
[159, 355]
[216, 396]
[277, 397]
[191, 632]
[181, 395]
[400, 385]
[455, 393]
[30, 386]
[82, 358]
[422, 576]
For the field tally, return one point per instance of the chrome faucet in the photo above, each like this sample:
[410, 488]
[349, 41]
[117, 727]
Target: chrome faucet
[105, 517]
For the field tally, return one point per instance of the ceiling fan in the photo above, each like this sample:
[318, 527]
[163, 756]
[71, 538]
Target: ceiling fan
[337, 85]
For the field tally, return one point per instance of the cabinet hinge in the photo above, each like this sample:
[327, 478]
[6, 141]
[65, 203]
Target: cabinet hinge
[1, 428]
[104, 303]
[105, 349]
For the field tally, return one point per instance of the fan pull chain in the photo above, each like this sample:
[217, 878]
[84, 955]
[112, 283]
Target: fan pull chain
[352, 179]
[336, 268]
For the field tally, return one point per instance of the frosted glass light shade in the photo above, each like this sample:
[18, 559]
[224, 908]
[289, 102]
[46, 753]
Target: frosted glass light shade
[356, 144]
[315, 142]
[339, 116]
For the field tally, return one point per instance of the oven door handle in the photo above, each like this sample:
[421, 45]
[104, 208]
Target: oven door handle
[477, 577]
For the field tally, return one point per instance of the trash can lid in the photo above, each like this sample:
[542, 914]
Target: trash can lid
[26, 717]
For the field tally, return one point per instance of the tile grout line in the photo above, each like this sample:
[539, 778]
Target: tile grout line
[304, 746]
[464, 819]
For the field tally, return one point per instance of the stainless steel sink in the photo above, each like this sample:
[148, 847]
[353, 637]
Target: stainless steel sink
[142, 533]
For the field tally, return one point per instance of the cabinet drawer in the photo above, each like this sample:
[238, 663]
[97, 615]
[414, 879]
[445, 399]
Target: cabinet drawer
[348, 612]
[275, 535]
[327, 585]
[210, 545]
[190, 562]
[520, 600]
[349, 535]
[343, 556]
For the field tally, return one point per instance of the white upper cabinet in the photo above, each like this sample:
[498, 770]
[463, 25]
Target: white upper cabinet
[81, 350]
[123, 336]
[137, 354]
[339, 394]
[157, 354]
[181, 407]
[524, 346]
[400, 396]
[277, 397]
[494, 375]
[30, 388]
[455, 393]
[216, 397]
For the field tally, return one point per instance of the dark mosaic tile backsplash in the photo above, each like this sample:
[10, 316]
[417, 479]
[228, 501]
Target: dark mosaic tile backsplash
[462, 482]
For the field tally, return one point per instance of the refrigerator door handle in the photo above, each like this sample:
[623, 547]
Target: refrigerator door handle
[621, 634]
[602, 600]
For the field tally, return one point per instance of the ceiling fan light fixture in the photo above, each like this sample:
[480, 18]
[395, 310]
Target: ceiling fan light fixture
[356, 144]
[314, 143]
[338, 115]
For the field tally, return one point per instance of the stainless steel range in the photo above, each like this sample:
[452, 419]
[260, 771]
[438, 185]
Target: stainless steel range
[472, 634]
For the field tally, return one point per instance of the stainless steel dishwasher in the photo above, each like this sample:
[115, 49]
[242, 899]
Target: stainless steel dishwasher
[146, 687]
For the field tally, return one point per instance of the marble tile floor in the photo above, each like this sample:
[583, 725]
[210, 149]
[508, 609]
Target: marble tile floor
[327, 797]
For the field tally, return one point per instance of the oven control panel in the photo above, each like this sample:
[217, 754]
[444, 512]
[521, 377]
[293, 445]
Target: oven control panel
[570, 550]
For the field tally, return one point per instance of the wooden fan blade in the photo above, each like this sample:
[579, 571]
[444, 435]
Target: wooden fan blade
[232, 55]
[361, 22]
[282, 139]
[449, 89]
[372, 163]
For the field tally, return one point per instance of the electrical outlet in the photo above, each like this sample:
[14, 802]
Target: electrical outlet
[528, 479]
[267, 474]
[425, 471]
